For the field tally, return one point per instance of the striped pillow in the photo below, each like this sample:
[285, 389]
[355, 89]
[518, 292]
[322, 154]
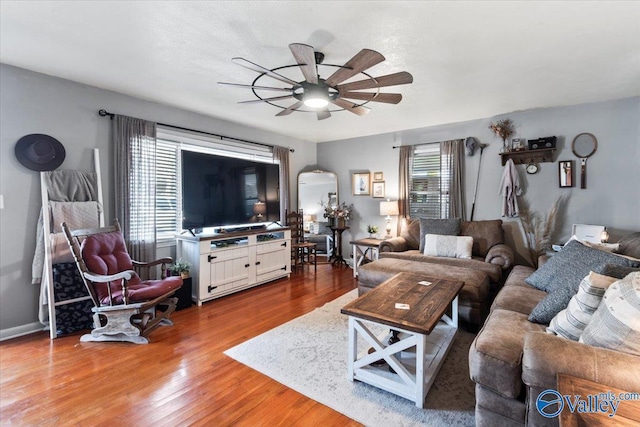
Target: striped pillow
[448, 246]
[616, 323]
[571, 321]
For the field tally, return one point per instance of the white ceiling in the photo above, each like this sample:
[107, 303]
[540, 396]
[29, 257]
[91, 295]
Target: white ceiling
[468, 59]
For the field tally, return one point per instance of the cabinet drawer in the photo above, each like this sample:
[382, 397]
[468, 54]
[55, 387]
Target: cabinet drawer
[272, 246]
[229, 254]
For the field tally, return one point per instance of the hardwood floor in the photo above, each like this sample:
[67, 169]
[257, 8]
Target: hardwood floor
[181, 378]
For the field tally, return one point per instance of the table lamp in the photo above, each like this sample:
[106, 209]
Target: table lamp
[389, 208]
[259, 209]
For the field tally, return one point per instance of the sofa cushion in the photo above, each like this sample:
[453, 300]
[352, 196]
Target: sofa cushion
[571, 321]
[448, 246]
[485, 234]
[495, 356]
[494, 271]
[521, 298]
[569, 266]
[447, 226]
[616, 323]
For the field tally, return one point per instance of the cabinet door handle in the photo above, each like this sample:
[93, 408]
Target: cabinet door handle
[210, 257]
[284, 268]
[284, 244]
[210, 288]
[247, 265]
[258, 263]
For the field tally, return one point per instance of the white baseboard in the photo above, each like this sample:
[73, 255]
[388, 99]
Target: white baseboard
[19, 331]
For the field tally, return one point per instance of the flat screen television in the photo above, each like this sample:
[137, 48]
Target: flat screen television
[219, 191]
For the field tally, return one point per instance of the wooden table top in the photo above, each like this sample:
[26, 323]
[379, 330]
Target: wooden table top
[427, 304]
[367, 242]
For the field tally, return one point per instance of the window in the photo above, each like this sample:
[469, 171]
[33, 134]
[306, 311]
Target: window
[167, 188]
[429, 183]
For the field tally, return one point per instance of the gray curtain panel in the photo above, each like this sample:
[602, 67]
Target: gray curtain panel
[452, 154]
[135, 178]
[406, 152]
[281, 154]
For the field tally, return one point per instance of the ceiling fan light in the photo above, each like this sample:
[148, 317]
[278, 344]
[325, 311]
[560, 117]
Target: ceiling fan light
[316, 102]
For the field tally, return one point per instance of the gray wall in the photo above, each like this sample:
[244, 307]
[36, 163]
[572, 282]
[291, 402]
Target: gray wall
[612, 197]
[36, 103]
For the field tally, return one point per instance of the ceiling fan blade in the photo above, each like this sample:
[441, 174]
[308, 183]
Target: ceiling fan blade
[260, 69]
[275, 98]
[306, 58]
[364, 59]
[351, 107]
[290, 109]
[278, 89]
[323, 114]
[389, 98]
[401, 78]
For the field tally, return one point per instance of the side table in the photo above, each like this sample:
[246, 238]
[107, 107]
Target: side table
[362, 248]
[337, 245]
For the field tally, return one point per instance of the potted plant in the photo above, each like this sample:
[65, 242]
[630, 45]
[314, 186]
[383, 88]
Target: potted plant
[372, 230]
[181, 267]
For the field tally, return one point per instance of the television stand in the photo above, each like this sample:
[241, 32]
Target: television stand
[225, 263]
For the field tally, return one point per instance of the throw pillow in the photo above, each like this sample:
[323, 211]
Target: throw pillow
[567, 267]
[447, 226]
[448, 246]
[617, 271]
[616, 323]
[630, 245]
[571, 321]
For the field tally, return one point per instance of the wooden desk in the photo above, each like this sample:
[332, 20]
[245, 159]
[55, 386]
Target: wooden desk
[627, 414]
[362, 248]
[414, 360]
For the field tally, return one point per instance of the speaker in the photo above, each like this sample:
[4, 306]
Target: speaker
[546, 142]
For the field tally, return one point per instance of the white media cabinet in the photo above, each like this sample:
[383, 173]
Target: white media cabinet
[225, 263]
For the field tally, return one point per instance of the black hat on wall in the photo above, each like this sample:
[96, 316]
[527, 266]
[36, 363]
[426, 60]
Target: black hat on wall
[40, 152]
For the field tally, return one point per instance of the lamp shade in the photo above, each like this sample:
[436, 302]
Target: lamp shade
[389, 208]
[259, 208]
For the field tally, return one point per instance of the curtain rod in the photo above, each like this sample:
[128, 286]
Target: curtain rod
[105, 113]
[425, 143]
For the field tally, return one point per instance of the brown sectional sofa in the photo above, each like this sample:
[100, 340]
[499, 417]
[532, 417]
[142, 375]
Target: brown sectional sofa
[513, 360]
[483, 274]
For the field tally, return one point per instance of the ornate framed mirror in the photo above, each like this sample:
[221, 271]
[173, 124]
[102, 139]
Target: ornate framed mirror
[315, 189]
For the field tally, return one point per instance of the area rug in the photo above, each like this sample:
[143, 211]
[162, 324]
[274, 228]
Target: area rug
[309, 355]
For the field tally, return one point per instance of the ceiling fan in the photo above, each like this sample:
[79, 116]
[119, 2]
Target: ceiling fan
[316, 93]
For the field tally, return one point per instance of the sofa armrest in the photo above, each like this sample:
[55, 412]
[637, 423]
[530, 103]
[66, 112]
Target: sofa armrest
[501, 255]
[395, 244]
[546, 355]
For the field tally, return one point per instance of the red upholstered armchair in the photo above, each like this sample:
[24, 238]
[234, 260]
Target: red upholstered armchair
[126, 308]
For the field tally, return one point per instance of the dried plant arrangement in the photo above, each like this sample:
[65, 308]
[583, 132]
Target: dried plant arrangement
[503, 129]
[538, 230]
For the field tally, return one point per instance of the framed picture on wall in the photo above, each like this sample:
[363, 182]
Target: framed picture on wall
[378, 176]
[377, 189]
[565, 171]
[361, 184]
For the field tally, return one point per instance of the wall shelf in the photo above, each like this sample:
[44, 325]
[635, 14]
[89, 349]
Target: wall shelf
[541, 155]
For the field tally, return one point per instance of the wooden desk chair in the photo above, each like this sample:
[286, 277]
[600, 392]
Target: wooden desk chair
[126, 308]
[301, 250]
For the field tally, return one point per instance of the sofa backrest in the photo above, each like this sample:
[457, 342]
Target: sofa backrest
[485, 234]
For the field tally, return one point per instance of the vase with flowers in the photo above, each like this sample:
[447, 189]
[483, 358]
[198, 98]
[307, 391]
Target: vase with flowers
[338, 215]
[503, 129]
